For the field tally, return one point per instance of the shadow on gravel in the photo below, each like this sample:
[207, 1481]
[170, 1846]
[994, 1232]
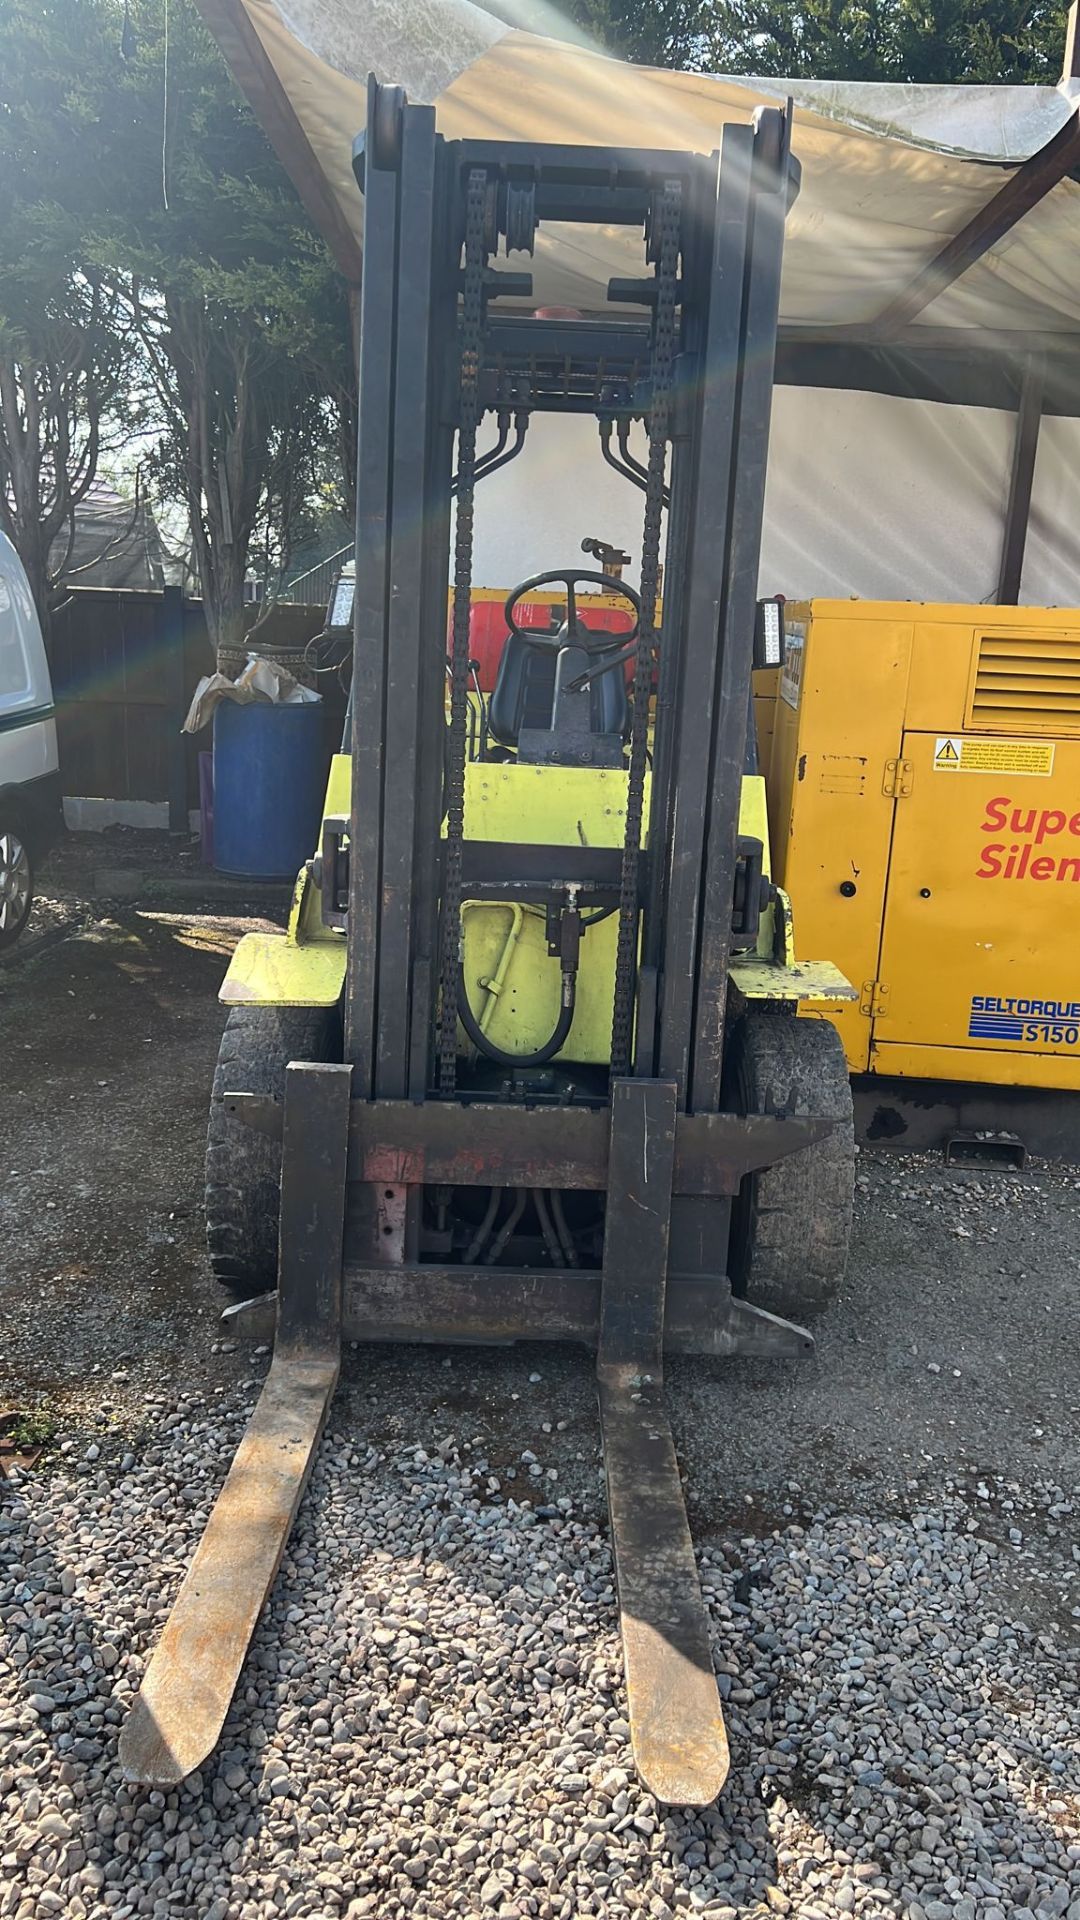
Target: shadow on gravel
[391, 1592]
[107, 1044]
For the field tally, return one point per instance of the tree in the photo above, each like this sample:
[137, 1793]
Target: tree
[664, 33]
[991, 42]
[65, 348]
[156, 265]
[938, 41]
[238, 308]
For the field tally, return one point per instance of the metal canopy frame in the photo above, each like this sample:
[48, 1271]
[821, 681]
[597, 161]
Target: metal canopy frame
[1023, 191]
[1023, 370]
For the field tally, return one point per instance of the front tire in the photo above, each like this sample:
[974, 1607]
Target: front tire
[791, 1223]
[16, 883]
[243, 1167]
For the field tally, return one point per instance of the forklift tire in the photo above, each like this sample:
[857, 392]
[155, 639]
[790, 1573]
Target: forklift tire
[791, 1223]
[16, 881]
[243, 1168]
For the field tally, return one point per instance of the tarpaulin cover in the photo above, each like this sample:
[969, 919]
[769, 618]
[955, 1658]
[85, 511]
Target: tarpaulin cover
[868, 494]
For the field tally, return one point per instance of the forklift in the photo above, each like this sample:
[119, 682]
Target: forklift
[526, 1063]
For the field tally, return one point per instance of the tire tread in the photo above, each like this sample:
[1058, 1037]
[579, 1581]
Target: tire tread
[795, 1227]
[243, 1168]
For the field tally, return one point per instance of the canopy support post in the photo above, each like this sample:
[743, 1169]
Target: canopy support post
[1018, 510]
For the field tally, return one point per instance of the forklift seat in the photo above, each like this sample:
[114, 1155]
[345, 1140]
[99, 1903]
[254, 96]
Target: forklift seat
[524, 693]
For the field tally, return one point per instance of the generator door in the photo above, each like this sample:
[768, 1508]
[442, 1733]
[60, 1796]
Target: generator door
[979, 945]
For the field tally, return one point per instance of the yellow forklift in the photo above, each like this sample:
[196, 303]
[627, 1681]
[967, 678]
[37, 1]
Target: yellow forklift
[525, 1064]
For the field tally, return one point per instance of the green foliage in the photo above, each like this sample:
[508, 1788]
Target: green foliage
[239, 310]
[922, 41]
[65, 349]
[992, 42]
[666, 33]
[27, 1432]
[138, 192]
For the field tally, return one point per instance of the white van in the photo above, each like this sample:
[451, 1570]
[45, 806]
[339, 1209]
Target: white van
[30, 803]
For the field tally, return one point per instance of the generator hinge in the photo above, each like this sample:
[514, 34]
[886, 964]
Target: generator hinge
[898, 779]
[873, 999]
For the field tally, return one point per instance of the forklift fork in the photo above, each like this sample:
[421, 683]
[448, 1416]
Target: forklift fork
[675, 1722]
[178, 1714]
[676, 1727]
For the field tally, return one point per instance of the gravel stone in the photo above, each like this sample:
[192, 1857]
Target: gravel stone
[432, 1721]
[890, 1760]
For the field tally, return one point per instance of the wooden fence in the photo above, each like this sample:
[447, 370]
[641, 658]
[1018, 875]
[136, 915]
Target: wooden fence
[124, 667]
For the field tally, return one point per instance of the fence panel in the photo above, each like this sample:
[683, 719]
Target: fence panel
[124, 667]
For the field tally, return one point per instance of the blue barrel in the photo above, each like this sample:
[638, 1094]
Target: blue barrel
[270, 767]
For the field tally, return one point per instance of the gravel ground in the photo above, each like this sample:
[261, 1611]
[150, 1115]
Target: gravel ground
[431, 1721]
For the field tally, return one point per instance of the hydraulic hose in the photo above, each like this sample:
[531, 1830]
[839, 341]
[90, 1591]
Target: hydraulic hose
[543, 1054]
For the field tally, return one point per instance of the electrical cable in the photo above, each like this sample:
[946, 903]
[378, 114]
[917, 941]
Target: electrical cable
[566, 1238]
[479, 1239]
[543, 1054]
[165, 116]
[507, 1227]
[555, 1251]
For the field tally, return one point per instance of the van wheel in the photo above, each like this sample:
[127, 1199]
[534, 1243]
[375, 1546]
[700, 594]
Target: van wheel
[16, 883]
[243, 1168]
[791, 1223]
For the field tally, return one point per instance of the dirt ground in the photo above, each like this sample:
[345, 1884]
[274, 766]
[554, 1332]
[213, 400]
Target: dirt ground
[950, 1365]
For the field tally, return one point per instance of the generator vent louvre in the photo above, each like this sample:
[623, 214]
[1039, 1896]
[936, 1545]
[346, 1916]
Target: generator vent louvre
[1027, 683]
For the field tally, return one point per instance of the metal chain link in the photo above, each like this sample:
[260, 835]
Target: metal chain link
[468, 419]
[663, 346]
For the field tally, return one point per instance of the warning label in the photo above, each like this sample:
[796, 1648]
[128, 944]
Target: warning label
[792, 671]
[955, 754]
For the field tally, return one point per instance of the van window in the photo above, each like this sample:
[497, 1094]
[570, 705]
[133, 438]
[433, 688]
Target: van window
[14, 665]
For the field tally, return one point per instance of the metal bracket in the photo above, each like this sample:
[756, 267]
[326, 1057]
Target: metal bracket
[873, 999]
[330, 871]
[257, 1110]
[898, 781]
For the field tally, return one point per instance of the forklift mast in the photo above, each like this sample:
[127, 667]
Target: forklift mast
[374, 1143]
[687, 348]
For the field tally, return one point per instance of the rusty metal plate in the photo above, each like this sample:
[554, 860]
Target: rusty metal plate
[492, 1306]
[454, 1143]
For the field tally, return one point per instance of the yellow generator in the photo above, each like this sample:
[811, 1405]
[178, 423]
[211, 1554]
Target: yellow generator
[923, 775]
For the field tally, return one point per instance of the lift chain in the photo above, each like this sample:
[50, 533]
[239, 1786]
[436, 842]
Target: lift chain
[472, 318]
[664, 247]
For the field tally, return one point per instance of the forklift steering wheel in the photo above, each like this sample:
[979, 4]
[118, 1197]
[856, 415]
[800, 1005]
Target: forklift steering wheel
[591, 640]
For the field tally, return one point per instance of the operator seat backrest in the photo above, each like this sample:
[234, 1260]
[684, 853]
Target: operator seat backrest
[525, 692]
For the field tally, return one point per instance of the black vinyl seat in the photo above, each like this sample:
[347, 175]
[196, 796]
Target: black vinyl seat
[525, 692]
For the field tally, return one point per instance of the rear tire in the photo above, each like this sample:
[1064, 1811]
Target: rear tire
[791, 1223]
[243, 1168]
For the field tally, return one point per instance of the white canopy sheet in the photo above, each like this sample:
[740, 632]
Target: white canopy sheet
[868, 494]
[889, 172]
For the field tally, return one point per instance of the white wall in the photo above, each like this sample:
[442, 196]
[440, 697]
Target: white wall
[884, 499]
[867, 495]
[535, 513]
[1051, 575]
